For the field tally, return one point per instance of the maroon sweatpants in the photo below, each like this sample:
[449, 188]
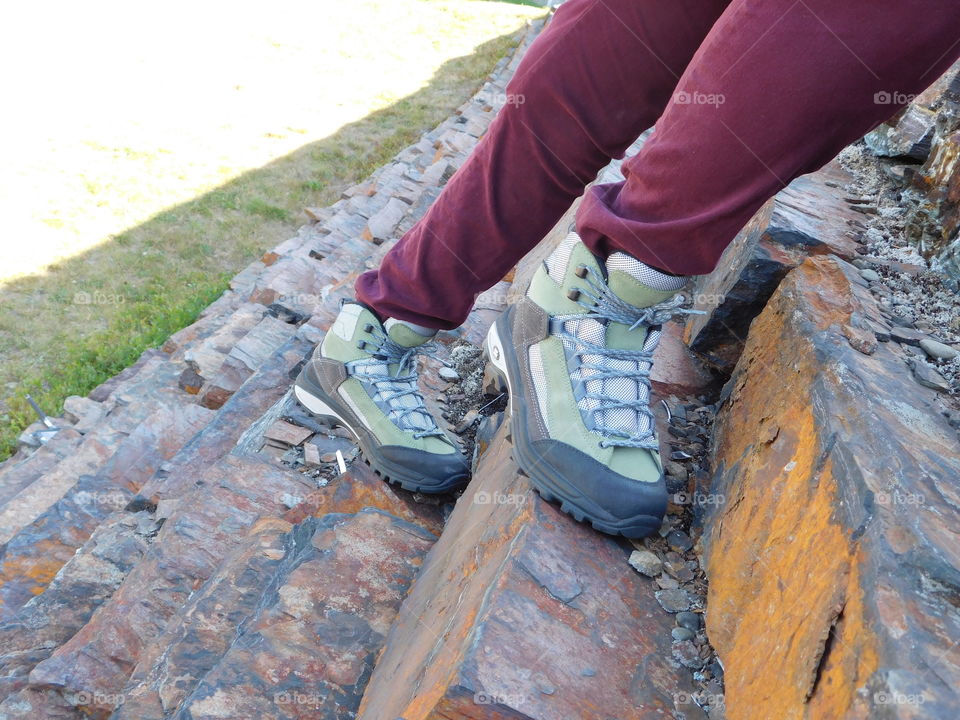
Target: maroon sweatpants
[746, 95]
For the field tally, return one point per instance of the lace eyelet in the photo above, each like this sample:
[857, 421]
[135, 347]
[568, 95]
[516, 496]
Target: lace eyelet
[581, 271]
[361, 344]
[368, 328]
[573, 294]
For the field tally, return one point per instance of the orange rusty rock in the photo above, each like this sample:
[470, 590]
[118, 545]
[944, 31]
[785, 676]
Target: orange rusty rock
[826, 597]
[360, 488]
[520, 612]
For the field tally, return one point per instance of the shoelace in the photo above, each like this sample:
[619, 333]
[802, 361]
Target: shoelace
[392, 388]
[604, 306]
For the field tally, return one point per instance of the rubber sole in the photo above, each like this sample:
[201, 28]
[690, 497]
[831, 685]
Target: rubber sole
[313, 398]
[551, 487]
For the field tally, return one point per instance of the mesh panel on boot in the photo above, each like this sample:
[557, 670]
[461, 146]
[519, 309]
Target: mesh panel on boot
[589, 330]
[626, 419]
[393, 408]
[644, 273]
[557, 262]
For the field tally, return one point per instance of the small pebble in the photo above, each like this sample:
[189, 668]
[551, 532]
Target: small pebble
[311, 455]
[937, 350]
[448, 373]
[678, 540]
[645, 563]
[680, 571]
[673, 601]
[588, 672]
[467, 421]
[682, 633]
[675, 469]
[687, 654]
[688, 620]
[667, 583]
[870, 275]
[928, 377]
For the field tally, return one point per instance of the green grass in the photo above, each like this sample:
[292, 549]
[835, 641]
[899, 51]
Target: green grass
[93, 358]
[168, 259]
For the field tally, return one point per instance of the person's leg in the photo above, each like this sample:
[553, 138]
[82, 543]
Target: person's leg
[777, 90]
[599, 75]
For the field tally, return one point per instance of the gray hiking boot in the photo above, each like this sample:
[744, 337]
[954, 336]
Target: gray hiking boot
[576, 354]
[363, 376]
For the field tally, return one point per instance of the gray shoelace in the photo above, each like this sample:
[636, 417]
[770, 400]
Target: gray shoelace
[397, 392]
[603, 306]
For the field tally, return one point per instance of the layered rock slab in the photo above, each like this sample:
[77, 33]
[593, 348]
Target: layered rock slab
[200, 634]
[31, 558]
[310, 646]
[834, 555]
[87, 580]
[808, 217]
[520, 612]
[231, 496]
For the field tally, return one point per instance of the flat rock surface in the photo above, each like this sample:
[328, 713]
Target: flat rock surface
[520, 612]
[834, 561]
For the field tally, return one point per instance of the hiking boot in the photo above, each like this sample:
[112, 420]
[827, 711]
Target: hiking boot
[363, 376]
[576, 354]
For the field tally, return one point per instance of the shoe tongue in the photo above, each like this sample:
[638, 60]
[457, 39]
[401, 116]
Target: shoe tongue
[407, 334]
[641, 286]
[627, 388]
[638, 284]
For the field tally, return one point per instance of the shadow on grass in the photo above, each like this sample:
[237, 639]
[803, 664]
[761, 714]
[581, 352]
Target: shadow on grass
[66, 330]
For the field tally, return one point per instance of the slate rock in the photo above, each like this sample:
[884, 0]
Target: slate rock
[511, 581]
[646, 563]
[863, 464]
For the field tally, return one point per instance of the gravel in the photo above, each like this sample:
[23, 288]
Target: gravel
[916, 300]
